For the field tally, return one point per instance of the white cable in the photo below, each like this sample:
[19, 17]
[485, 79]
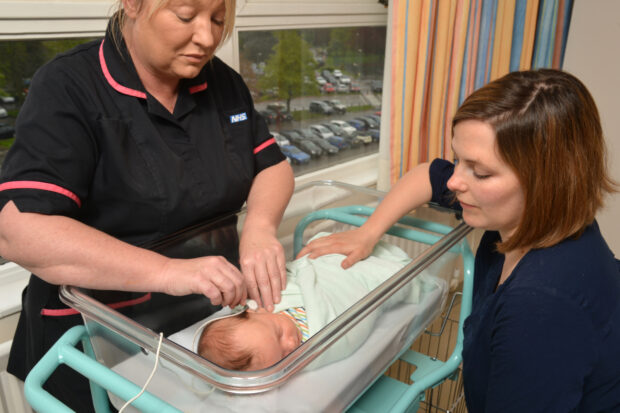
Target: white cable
[161, 337]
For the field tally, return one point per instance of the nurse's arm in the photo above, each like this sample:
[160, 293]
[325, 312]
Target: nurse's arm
[61, 250]
[411, 191]
[261, 255]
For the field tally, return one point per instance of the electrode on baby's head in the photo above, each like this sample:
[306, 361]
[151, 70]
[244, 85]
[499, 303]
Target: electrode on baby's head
[252, 305]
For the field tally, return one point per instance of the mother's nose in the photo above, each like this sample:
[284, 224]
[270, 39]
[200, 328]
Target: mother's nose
[456, 183]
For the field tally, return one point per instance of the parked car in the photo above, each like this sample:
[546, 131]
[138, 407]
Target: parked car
[370, 122]
[374, 134]
[319, 106]
[350, 138]
[376, 86]
[354, 87]
[364, 136]
[6, 131]
[7, 99]
[328, 88]
[280, 140]
[345, 79]
[361, 130]
[377, 118]
[320, 80]
[296, 155]
[280, 109]
[337, 73]
[3, 112]
[336, 105]
[342, 88]
[321, 131]
[311, 136]
[346, 128]
[269, 115]
[303, 144]
[357, 124]
[325, 145]
[339, 142]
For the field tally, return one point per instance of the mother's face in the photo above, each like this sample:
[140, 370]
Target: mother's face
[487, 188]
[173, 41]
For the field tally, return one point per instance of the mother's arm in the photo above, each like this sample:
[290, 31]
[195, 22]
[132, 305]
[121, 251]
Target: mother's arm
[261, 254]
[411, 191]
[61, 250]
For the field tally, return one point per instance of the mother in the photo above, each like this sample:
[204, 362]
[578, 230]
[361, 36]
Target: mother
[543, 333]
[123, 141]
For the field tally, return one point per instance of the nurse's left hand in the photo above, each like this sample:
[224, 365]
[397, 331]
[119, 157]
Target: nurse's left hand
[263, 265]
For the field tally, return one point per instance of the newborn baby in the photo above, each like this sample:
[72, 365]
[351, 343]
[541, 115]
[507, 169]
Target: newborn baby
[318, 290]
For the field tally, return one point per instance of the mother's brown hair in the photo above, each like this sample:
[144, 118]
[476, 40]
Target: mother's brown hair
[548, 131]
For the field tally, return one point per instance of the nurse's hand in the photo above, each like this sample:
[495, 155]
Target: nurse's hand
[263, 266]
[212, 276]
[355, 244]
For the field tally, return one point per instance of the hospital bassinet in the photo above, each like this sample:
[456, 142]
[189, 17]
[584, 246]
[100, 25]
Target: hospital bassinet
[120, 335]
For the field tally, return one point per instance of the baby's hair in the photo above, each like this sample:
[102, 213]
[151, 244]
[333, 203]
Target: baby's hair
[218, 343]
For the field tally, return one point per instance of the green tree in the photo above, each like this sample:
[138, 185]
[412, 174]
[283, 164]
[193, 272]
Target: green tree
[341, 44]
[290, 68]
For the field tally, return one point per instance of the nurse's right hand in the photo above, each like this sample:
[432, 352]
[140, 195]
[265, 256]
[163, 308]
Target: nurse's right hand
[212, 276]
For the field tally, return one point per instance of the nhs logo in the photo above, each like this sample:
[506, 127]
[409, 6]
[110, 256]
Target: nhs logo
[239, 117]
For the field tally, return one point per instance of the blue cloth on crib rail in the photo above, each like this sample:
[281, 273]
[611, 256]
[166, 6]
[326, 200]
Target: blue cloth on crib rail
[548, 339]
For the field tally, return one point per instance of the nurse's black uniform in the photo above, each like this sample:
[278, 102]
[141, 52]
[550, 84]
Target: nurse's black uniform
[93, 145]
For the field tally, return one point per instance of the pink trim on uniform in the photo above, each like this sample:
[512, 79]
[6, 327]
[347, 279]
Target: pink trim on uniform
[198, 88]
[43, 186]
[118, 87]
[61, 312]
[264, 145]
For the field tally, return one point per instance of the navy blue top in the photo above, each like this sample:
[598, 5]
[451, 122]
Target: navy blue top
[548, 339]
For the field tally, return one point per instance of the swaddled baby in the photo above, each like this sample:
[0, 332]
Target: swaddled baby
[318, 290]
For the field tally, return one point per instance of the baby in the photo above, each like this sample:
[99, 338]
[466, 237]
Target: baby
[318, 290]
[253, 340]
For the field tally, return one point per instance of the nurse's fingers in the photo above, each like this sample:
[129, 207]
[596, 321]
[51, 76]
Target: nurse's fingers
[252, 287]
[227, 279]
[275, 279]
[264, 285]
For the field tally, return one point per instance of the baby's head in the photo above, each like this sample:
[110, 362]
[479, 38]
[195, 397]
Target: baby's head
[253, 340]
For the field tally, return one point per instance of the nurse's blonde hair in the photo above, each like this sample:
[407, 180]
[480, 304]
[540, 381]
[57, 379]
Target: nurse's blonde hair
[118, 18]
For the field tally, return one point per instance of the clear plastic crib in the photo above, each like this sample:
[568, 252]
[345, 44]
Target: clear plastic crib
[120, 340]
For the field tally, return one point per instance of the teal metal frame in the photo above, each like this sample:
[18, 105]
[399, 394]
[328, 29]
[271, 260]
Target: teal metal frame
[405, 398]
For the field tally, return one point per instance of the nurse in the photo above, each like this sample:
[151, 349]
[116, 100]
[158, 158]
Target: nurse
[121, 142]
[543, 334]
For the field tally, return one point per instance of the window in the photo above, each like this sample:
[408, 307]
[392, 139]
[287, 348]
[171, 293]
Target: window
[314, 87]
[348, 45]
[19, 61]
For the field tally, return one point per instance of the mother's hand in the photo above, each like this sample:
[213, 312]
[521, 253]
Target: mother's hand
[355, 244]
[212, 276]
[263, 265]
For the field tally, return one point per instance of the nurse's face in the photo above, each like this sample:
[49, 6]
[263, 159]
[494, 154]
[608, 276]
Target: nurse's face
[486, 187]
[173, 41]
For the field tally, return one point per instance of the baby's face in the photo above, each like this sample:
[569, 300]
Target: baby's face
[273, 336]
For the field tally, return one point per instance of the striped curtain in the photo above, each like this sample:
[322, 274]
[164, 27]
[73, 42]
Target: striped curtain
[442, 50]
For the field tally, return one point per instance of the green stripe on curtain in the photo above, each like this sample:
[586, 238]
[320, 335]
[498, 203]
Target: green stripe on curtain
[442, 50]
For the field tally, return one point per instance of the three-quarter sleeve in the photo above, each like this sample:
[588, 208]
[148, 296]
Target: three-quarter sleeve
[440, 172]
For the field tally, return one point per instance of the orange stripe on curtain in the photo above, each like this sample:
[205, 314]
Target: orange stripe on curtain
[459, 36]
[503, 37]
[529, 34]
